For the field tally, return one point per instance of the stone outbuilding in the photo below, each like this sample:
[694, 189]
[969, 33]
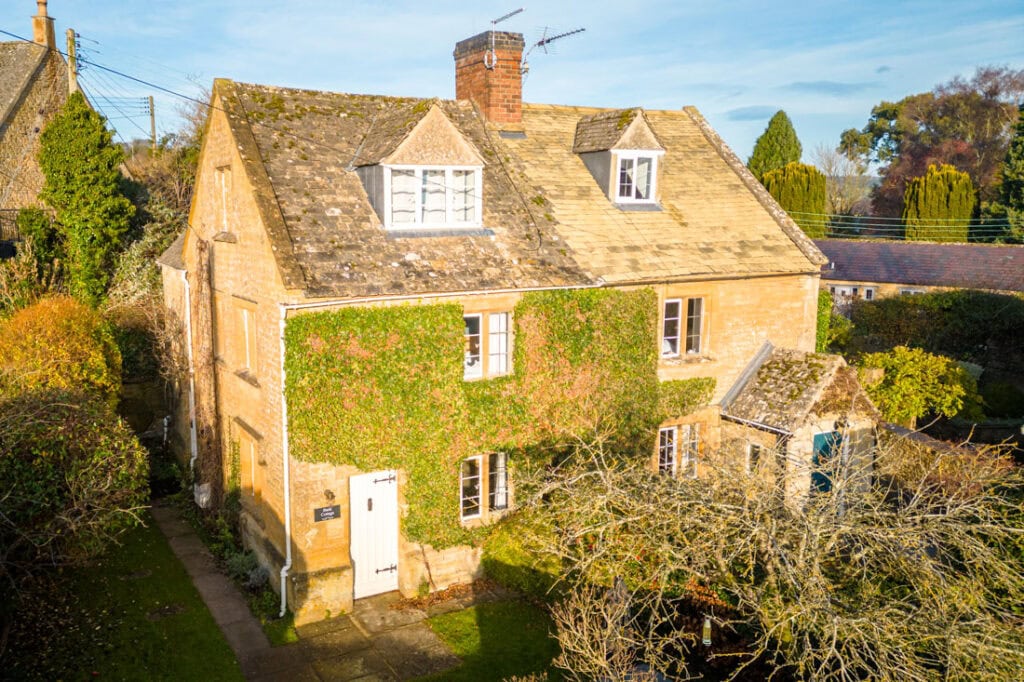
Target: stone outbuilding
[800, 417]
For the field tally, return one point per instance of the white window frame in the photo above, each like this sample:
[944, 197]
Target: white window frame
[671, 449]
[667, 352]
[479, 488]
[488, 363]
[449, 222]
[699, 350]
[634, 155]
[869, 293]
[751, 449]
[911, 292]
[689, 447]
[497, 482]
[481, 357]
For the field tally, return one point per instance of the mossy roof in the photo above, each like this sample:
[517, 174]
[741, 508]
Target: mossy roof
[547, 223]
[785, 388]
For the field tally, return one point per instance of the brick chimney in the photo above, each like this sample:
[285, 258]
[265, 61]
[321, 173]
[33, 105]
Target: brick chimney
[487, 72]
[42, 27]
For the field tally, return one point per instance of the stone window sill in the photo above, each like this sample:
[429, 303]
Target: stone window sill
[246, 376]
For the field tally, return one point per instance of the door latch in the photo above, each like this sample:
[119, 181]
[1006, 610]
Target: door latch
[389, 569]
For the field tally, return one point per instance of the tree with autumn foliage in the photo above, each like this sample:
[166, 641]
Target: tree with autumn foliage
[965, 123]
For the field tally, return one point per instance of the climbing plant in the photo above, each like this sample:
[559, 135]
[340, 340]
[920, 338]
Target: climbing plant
[383, 387]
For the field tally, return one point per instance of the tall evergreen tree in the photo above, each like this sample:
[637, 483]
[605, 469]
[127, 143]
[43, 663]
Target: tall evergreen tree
[938, 206]
[777, 146]
[1011, 188]
[83, 183]
[800, 190]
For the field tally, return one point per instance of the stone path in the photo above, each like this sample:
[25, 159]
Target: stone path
[377, 641]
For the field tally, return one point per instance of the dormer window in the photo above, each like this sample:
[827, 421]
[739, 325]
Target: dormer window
[432, 197]
[636, 177]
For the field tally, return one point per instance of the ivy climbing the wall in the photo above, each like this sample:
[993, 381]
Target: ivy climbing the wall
[379, 388]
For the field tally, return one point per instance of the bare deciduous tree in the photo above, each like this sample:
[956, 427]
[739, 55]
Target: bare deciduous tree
[848, 185]
[909, 568]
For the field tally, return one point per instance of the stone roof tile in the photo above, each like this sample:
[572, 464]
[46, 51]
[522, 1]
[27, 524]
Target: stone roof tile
[547, 223]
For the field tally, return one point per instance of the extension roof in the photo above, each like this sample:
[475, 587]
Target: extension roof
[546, 222]
[969, 266]
[781, 387]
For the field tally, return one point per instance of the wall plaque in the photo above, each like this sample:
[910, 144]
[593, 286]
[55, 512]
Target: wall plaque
[326, 513]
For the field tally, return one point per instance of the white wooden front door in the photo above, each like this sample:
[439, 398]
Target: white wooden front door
[373, 499]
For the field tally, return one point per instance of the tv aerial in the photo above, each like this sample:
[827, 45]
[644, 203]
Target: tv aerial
[491, 56]
[543, 43]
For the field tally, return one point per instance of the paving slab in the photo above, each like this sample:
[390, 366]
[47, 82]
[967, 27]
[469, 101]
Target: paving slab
[379, 614]
[353, 666]
[415, 650]
[336, 642]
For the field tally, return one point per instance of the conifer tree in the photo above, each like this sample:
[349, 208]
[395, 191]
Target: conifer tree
[83, 184]
[938, 206]
[777, 146]
[800, 190]
[1011, 189]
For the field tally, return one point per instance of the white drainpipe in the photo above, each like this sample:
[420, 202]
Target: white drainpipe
[285, 457]
[193, 438]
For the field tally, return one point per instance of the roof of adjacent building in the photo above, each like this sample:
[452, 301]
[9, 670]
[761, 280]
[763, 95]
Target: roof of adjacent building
[546, 222]
[173, 257]
[781, 387]
[19, 62]
[974, 266]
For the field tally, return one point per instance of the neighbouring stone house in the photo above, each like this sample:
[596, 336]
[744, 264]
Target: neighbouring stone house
[868, 270]
[390, 302]
[33, 88]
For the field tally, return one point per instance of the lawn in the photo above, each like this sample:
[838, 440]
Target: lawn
[497, 640]
[132, 615]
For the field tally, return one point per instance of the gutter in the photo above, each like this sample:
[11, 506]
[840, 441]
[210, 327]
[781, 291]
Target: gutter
[193, 438]
[757, 425]
[335, 302]
[285, 461]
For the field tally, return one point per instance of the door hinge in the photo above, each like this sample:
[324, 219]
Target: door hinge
[389, 479]
[389, 569]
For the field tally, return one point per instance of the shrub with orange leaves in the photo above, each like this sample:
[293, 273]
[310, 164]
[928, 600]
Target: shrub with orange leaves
[60, 344]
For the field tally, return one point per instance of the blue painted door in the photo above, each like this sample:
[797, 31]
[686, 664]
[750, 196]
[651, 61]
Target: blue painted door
[826, 446]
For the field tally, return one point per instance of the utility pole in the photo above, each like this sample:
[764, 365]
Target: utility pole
[152, 123]
[72, 63]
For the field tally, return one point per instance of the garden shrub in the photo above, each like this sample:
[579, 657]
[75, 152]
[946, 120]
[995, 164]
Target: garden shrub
[59, 344]
[72, 475]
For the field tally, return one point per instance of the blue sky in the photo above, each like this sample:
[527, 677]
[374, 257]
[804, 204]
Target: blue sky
[826, 63]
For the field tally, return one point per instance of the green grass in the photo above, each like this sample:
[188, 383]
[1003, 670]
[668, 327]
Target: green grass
[132, 615]
[497, 640]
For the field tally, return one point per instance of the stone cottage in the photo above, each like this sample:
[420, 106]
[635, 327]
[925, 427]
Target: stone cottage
[33, 87]
[389, 302]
